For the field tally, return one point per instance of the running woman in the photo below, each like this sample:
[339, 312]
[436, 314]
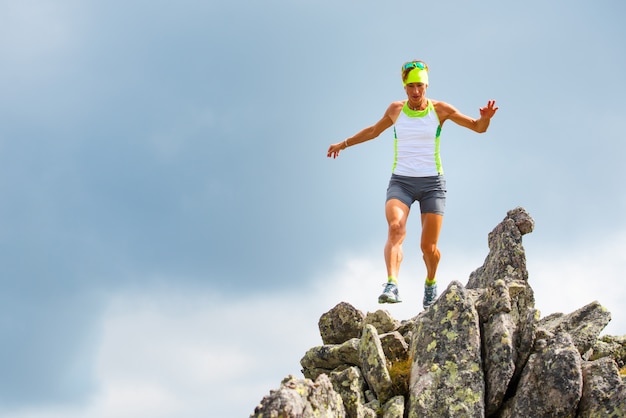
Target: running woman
[417, 173]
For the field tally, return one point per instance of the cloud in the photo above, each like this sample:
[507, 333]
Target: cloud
[565, 279]
[182, 352]
[173, 353]
[33, 32]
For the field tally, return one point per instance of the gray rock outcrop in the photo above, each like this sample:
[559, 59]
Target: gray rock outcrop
[481, 350]
[447, 375]
[298, 398]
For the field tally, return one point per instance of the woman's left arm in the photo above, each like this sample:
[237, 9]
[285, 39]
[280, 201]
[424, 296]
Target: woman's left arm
[446, 111]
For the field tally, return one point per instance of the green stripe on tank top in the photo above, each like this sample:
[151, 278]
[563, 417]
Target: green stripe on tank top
[395, 150]
[437, 154]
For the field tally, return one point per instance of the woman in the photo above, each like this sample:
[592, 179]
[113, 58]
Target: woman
[417, 173]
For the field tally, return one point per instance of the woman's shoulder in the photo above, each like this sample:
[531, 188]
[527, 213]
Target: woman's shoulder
[443, 109]
[394, 109]
[440, 104]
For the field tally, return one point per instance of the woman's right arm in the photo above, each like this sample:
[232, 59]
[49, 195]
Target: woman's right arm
[370, 132]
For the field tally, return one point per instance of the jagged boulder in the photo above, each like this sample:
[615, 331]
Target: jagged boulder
[447, 375]
[399, 361]
[340, 324]
[610, 346]
[394, 346]
[506, 261]
[297, 398]
[584, 324]
[505, 304]
[350, 385]
[604, 391]
[394, 408]
[382, 321]
[374, 364]
[325, 358]
[482, 350]
[551, 384]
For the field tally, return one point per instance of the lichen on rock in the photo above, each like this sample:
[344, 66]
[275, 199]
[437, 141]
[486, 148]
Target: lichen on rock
[481, 350]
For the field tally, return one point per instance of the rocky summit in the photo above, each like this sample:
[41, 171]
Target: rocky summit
[482, 350]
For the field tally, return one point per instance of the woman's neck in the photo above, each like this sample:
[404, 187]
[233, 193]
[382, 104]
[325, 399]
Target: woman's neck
[419, 105]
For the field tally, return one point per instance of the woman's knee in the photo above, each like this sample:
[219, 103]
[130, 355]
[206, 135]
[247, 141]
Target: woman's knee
[397, 230]
[429, 249]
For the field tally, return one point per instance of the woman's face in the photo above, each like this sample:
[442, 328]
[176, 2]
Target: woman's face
[415, 91]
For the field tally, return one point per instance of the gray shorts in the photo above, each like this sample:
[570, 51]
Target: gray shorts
[429, 191]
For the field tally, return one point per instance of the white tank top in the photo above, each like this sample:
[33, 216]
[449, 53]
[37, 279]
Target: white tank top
[416, 143]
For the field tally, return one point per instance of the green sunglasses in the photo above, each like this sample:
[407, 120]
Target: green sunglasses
[414, 64]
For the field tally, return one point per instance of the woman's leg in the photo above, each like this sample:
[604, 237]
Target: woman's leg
[397, 214]
[431, 227]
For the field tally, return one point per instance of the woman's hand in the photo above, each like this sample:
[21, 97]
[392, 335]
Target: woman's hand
[335, 149]
[488, 111]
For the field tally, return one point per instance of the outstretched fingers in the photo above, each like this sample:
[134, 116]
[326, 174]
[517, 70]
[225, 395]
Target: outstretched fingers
[489, 110]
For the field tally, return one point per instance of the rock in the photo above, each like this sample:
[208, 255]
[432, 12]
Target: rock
[505, 304]
[350, 385]
[394, 408]
[610, 346]
[551, 383]
[371, 409]
[329, 357]
[398, 361]
[340, 324]
[604, 391]
[499, 359]
[524, 337]
[447, 375]
[494, 299]
[382, 321]
[584, 324]
[297, 398]
[369, 412]
[374, 364]
[506, 261]
[479, 351]
[370, 396]
[394, 347]
[507, 341]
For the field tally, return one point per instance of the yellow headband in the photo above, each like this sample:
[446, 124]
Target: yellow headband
[417, 75]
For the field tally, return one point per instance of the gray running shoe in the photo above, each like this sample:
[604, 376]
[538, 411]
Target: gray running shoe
[430, 294]
[390, 294]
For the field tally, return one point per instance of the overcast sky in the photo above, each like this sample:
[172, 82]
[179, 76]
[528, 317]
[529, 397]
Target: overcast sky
[171, 229]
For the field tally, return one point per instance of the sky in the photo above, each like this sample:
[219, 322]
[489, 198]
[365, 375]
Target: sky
[171, 229]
